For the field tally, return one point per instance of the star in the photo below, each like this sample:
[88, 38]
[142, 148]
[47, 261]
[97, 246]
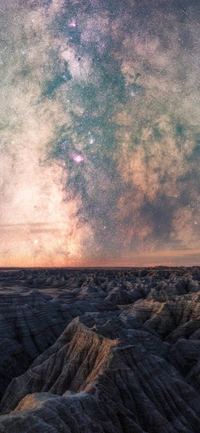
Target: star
[78, 158]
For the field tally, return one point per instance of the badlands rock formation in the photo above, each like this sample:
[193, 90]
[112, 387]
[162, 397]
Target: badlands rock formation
[95, 350]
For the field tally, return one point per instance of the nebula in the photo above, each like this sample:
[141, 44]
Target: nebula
[100, 135]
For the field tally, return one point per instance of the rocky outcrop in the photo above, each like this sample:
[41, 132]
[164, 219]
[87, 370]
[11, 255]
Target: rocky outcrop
[113, 351]
[28, 326]
[135, 390]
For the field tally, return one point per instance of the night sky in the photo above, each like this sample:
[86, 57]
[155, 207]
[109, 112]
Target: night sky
[100, 132]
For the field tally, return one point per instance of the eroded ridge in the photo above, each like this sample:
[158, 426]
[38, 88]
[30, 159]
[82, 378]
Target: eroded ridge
[108, 351]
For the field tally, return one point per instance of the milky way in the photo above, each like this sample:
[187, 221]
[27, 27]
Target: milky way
[100, 133]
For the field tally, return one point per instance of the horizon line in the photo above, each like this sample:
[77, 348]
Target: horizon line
[98, 267]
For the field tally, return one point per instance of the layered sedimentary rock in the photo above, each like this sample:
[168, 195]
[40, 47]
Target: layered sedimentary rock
[28, 325]
[111, 351]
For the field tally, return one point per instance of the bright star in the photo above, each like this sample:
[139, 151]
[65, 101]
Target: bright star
[78, 158]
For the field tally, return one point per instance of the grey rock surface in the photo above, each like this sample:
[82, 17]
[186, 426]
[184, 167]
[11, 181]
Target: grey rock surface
[107, 350]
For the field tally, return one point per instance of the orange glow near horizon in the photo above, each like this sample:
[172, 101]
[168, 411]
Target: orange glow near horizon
[162, 258]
